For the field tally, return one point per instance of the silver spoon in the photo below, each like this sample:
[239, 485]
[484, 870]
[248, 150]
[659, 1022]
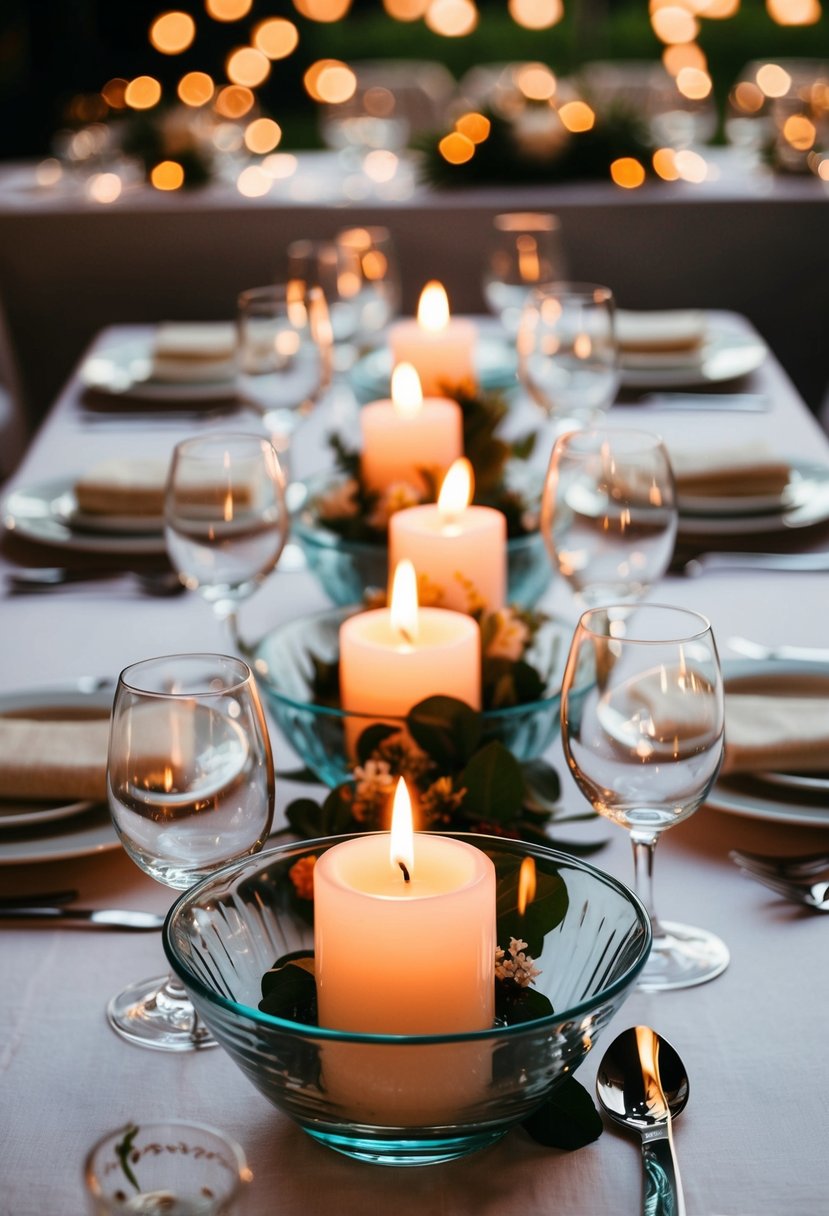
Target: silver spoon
[642, 1085]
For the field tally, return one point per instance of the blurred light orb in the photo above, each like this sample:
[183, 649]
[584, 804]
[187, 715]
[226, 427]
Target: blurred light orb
[322, 10]
[474, 126]
[280, 165]
[330, 81]
[664, 164]
[627, 172]
[451, 18]
[227, 137]
[536, 14]
[104, 187]
[406, 10]
[536, 81]
[49, 172]
[773, 80]
[800, 132]
[114, 93]
[167, 175]
[673, 24]
[690, 166]
[195, 89]
[380, 165]
[794, 12]
[694, 83]
[173, 32]
[228, 10]
[577, 116]
[247, 66]
[455, 148]
[716, 10]
[262, 136]
[234, 101]
[253, 182]
[822, 169]
[276, 37]
[684, 55]
[747, 97]
[142, 93]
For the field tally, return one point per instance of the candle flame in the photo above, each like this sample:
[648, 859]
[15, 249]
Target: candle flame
[401, 845]
[648, 1047]
[526, 884]
[404, 602]
[167, 780]
[433, 307]
[406, 393]
[456, 491]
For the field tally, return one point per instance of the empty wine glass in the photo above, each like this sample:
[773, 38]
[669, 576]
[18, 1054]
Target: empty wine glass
[568, 353]
[225, 519]
[609, 513]
[525, 251]
[369, 258]
[644, 742]
[190, 785]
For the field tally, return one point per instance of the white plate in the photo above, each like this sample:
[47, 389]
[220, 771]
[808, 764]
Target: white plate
[760, 799]
[495, 368]
[726, 354]
[807, 504]
[61, 702]
[41, 513]
[77, 837]
[798, 488]
[129, 525]
[123, 371]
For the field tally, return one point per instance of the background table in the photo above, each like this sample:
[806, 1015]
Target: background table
[752, 1140]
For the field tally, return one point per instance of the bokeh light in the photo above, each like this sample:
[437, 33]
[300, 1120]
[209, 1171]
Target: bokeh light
[536, 81]
[276, 37]
[247, 66]
[167, 175]
[322, 10]
[747, 97]
[577, 116]
[627, 172]
[195, 89]
[794, 12]
[262, 136]
[800, 132]
[172, 32]
[234, 101]
[142, 93]
[684, 55]
[456, 148]
[664, 164]
[406, 10]
[716, 10]
[254, 182]
[674, 24]
[690, 166]
[536, 14]
[694, 83]
[104, 187]
[451, 18]
[474, 126]
[228, 10]
[774, 80]
[330, 81]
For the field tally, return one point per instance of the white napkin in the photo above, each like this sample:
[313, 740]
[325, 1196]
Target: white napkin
[729, 472]
[137, 488]
[202, 352]
[669, 338]
[48, 759]
[776, 733]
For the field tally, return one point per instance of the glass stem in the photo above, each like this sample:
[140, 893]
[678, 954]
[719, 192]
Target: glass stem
[227, 612]
[644, 848]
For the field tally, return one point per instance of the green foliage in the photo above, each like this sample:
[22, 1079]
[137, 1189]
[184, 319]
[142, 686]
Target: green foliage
[567, 1120]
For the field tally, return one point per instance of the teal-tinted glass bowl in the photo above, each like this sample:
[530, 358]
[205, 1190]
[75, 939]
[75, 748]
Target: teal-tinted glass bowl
[347, 569]
[406, 1099]
[284, 665]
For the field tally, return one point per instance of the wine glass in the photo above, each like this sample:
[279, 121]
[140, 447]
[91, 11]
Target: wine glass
[644, 742]
[525, 251]
[609, 513]
[190, 786]
[568, 357]
[225, 518]
[369, 256]
[284, 354]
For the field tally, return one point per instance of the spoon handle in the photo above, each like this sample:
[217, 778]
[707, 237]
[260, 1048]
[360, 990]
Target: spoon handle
[663, 1187]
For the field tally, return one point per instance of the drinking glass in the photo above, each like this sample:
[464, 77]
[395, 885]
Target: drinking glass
[178, 1168]
[190, 785]
[368, 256]
[567, 352]
[284, 355]
[609, 513]
[225, 518]
[525, 251]
[644, 743]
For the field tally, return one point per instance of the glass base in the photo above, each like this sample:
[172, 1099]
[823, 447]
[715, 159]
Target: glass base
[682, 957]
[401, 1150]
[157, 1013]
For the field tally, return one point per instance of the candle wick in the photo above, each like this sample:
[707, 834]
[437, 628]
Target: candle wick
[406, 875]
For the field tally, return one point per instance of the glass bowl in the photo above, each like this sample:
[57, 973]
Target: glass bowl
[347, 569]
[408, 1099]
[285, 663]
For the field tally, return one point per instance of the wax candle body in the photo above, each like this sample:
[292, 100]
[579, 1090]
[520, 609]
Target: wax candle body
[396, 446]
[465, 558]
[397, 957]
[444, 358]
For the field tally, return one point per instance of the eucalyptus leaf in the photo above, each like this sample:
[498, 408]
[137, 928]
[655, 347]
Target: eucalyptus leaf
[546, 910]
[494, 785]
[447, 729]
[289, 989]
[542, 784]
[311, 821]
[568, 1119]
[371, 738]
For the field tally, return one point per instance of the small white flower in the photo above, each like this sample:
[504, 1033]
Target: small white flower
[510, 638]
[519, 967]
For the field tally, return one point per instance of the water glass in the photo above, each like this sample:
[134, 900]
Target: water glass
[525, 251]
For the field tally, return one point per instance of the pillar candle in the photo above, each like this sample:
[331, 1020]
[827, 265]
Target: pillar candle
[406, 435]
[442, 348]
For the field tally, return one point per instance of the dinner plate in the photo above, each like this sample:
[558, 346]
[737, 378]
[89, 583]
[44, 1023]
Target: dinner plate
[62, 702]
[124, 371]
[77, 837]
[757, 797]
[42, 512]
[726, 354]
[806, 503]
[495, 368]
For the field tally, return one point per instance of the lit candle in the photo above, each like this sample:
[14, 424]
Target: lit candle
[458, 551]
[408, 435]
[404, 932]
[441, 347]
[391, 658]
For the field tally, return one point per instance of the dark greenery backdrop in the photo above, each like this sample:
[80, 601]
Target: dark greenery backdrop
[53, 49]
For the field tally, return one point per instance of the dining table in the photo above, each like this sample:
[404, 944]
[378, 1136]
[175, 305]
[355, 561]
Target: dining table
[752, 1139]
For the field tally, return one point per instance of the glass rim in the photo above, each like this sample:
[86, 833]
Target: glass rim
[217, 439]
[273, 291]
[649, 439]
[628, 610]
[244, 675]
[598, 293]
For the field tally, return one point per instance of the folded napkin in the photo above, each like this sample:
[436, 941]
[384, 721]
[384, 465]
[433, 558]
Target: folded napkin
[200, 352]
[668, 337]
[137, 488]
[49, 759]
[776, 733]
[733, 472]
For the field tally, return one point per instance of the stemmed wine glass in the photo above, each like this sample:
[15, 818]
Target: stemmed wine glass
[609, 513]
[644, 742]
[225, 518]
[524, 252]
[190, 785]
[568, 358]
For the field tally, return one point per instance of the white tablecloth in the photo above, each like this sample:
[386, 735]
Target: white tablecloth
[752, 1141]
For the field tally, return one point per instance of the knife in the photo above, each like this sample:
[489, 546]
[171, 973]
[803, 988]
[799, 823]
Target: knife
[99, 918]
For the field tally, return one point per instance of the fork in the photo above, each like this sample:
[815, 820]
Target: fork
[811, 895]
[796, 866]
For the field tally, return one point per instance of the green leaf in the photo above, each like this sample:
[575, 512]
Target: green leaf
[567, 1120]
[289, 989]
[371, 738]
[311, 820]
[515, 1004]
[494, 785]
[447, 729]
[546, 910]
[542, 784]
[523, 448]
[123, 1150]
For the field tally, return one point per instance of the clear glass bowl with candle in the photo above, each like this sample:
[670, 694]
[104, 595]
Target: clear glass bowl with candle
[286, 662]
[408, 1099]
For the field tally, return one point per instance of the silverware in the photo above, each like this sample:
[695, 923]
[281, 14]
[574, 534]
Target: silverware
[811, 895]
[758, 650]
[795, 866]
[754, 403]
[805, 563]
[37, 580]
[642, 1085]
[33, 901]
[101, 918]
